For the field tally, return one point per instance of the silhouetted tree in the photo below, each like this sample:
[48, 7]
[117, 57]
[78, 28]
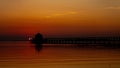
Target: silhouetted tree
[38, 39]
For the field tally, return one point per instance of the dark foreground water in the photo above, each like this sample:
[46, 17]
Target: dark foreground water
[26, 55]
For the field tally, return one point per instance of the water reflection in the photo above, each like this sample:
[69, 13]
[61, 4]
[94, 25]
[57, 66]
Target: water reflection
[38, 47]
[20, 54]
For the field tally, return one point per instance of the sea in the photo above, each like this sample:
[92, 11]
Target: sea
[23, 54]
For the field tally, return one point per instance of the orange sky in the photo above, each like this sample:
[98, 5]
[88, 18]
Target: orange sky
[60, 17]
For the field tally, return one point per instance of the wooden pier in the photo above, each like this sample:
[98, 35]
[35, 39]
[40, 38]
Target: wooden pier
[88, 40]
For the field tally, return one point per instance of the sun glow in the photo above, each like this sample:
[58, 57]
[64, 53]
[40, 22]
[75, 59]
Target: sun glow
[29, 38]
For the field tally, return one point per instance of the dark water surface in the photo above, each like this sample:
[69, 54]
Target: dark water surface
[26, 55]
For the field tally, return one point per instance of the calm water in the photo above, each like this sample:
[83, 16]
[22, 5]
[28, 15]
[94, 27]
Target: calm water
[25, 55]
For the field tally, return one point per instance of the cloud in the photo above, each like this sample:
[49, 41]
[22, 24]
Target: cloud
[61, 14]
[113, 8]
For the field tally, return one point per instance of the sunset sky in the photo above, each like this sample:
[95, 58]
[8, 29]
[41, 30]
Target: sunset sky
[59, 18]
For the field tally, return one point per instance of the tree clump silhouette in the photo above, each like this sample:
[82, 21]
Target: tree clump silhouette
[38, 39]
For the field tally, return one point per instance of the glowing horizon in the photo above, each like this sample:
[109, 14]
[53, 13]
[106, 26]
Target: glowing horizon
[60, 17]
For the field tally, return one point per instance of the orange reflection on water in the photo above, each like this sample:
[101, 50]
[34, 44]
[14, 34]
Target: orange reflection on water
[24, 54]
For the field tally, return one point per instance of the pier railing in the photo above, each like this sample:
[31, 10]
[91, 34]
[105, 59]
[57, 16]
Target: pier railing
[88, 40]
